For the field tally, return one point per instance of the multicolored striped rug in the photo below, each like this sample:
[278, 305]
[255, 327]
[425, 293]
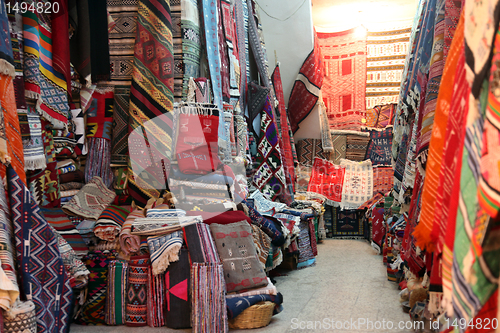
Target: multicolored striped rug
[385, 59]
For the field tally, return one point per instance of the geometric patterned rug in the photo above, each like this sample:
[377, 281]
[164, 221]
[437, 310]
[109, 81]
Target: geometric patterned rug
[344, 84]
[339, 146]
[386, 54]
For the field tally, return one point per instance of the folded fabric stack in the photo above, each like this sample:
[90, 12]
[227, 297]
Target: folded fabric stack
[162, 223]
[71, 180]
[214, 187]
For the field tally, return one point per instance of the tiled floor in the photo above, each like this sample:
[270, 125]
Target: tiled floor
[347, 288]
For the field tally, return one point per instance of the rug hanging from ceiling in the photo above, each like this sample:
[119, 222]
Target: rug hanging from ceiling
[380, 147]
[270, 175]
[344, 56]
[358, 183]
[119, 141]
[307, 86]
[42, 80]
[380, 116]
[191, 42]
[356, 146]
[385, 59]
[327, 179]
[383, 179]
[175, 14]
[11, 146]
[439, 176]
[348, 224]
[121, 50]
[285, 143]
[121, 40]
[308, 150]
[151, 95]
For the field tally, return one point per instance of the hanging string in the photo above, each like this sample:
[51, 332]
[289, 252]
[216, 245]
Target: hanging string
[285, 19]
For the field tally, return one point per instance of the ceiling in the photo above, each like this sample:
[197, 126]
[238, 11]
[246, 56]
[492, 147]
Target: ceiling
[338, 15]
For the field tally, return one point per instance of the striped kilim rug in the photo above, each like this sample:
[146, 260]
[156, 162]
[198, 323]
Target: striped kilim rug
[385, 59]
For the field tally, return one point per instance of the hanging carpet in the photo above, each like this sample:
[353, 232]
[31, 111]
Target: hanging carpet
[307, 86]
[380, 147]
[358, 183]
[344, 55]
[349, 224]
[383, 179]
[151, 96]
[42, 81]
[308, 150]
[356, 145]
[380, 116]
[270, 175]
[385, 58]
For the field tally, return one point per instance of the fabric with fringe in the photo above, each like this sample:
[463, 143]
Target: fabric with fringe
[327, 179]
[164, 250]
[42, 81]
[34, 157]
[91, 200]
[208, 301]
[358, 183]
[156, 300]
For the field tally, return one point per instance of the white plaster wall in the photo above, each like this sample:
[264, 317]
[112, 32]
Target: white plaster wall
[375, 15]
[289, 37]
[310, 127]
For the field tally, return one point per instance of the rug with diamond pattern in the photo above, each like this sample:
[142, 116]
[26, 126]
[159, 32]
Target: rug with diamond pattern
[136, 309]
[42, 275]
[91, 200]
